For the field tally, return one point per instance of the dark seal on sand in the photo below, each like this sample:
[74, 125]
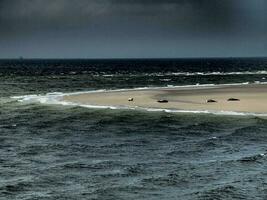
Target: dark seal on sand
[233, 99]
[211, 101]
[163, 101]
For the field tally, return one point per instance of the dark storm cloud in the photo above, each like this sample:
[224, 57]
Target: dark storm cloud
[64, 13]
[48, 12]
[157, 23]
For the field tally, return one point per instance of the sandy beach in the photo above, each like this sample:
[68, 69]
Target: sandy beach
[253, 98]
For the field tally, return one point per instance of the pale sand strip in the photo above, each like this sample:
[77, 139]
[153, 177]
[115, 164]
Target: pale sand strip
[253, 98]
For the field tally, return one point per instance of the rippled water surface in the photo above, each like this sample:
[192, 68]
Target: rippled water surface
[67, 152]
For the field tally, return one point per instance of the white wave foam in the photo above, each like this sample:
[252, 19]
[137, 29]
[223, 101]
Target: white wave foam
[212, 73]
[263, 72]
[160, 74]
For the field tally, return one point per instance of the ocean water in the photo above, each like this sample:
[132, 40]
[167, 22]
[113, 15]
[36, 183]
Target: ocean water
[52, 151]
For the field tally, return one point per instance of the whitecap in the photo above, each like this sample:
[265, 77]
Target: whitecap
[261, 72]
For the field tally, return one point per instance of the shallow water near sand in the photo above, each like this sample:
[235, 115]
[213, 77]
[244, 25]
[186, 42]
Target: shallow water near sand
[50, 151]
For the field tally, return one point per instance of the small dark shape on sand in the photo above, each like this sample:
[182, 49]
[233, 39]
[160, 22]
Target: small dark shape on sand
[163, 101]
[233, 99]
[211, 101]
[130, 99]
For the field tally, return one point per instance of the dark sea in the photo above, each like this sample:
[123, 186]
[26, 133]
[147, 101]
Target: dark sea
[52, 151]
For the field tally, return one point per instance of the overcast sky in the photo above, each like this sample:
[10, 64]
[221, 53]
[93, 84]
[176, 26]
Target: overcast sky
[132, 28]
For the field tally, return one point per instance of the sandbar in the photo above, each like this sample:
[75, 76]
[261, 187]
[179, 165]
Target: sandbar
[253, 98]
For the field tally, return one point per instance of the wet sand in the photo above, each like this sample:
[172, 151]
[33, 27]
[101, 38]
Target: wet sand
[253, 98]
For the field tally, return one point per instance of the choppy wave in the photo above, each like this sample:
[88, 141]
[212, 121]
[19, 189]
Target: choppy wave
[56, 99]
[253, 158]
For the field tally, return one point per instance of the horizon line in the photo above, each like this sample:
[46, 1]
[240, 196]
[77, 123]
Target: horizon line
[132, 58]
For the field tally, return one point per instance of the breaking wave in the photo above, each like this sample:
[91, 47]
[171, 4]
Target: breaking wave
[216, 73]
[263, 72]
